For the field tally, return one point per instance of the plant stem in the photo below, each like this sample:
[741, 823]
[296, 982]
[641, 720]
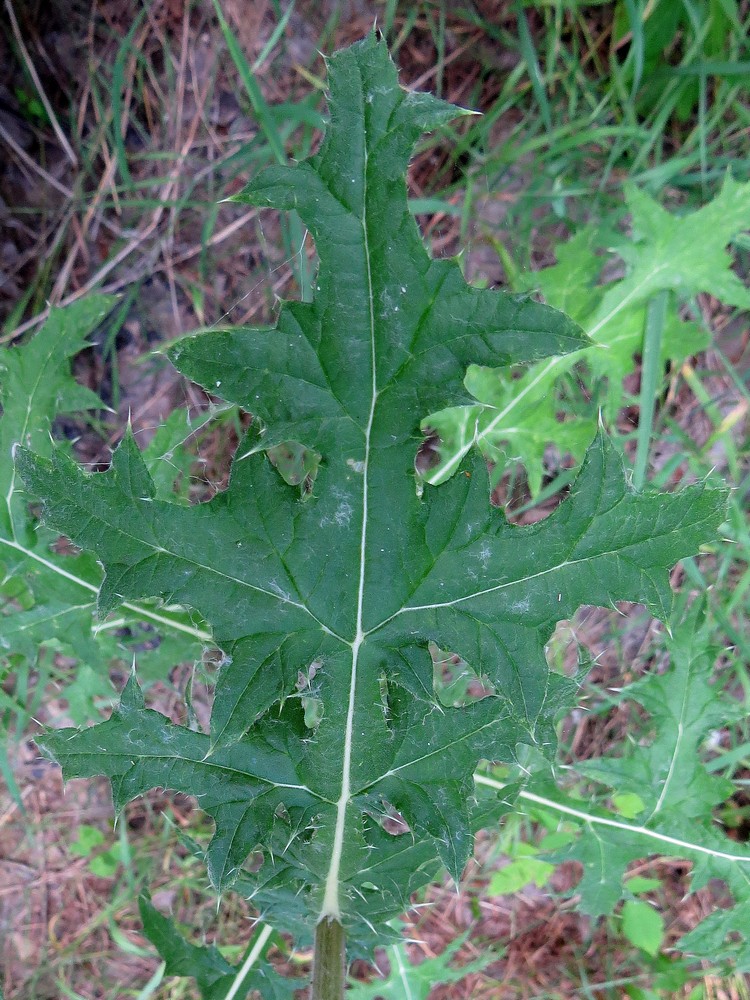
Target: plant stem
[651, 375]
[329, 962]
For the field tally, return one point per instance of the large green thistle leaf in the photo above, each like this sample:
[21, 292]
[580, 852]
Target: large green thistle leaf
[324, 599]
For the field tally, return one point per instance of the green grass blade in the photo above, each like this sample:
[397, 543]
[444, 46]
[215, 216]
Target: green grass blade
[296, 233]
[389, 16]
[149, 990]
[276, 34]
[635, 17]
[118, 88]
[258, 102]
[532, 65]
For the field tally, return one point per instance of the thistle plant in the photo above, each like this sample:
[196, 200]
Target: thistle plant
[327, 568]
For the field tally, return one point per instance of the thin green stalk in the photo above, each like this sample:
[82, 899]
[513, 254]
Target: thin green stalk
[653, 336]
[329, 962]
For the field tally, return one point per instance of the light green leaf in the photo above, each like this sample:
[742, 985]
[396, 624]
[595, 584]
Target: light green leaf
[88, 838]
[42, 597]
[628, 804]
[105, 865]
[359, 577]
[215, 977]
[417, 981]
[501, 440]
[685, 254]
[637, 883]
[515, 420]
[643, 926]
[517, 874]
[48, 598]
[35, 387]
[678, 793]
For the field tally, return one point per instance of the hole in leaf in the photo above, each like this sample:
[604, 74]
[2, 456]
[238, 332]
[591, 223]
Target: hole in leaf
[734, 815]
[254, 861]
[296, 464]
[388, 818]
[455, 683]
[312, 706]
[280, 812]
[428, 455]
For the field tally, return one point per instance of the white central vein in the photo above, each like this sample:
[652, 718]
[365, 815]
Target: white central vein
[402, 973]
[481, 593]
[331, 902]
[519, 581]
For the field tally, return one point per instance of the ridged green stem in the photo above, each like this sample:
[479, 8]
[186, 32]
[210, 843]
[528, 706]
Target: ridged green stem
[329, 962]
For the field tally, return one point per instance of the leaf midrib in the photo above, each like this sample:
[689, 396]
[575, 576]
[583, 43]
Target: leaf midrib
[331, 907]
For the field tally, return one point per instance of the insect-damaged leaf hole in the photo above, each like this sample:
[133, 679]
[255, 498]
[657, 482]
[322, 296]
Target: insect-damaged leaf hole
[296, 464]
[456, 684]
[308, 693]
[387, 816]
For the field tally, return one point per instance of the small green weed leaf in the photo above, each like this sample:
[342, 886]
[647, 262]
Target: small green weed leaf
[105, 865]
[89, 838]
[362, 574]
[628, 804]
[417, 981]
[553, 841]
[643, 926]
[515, 419]
[678, 794]
[48, 596]
[517, 874]
[637, 883]
[214, 976]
